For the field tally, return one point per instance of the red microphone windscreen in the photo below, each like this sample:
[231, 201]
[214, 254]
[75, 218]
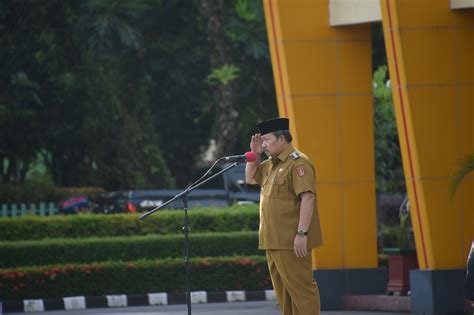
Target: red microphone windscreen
[250, 156]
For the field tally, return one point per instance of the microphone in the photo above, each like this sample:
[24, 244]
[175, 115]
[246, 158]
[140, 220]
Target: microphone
[247, 157]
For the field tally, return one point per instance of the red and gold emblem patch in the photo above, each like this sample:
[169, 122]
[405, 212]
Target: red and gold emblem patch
[300, 171]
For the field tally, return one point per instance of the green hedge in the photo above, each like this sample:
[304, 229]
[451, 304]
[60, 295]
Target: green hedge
[61, 251]
[137, 277]
[236, 218]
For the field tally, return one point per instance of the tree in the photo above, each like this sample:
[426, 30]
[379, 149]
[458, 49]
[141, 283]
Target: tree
[20, 96]
[125, 94]
[388, 162]
[241, 75]
[89, 120]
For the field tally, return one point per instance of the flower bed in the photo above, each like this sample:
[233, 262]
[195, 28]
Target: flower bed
[134, 277]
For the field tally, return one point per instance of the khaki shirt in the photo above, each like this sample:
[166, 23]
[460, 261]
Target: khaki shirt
[282, 180]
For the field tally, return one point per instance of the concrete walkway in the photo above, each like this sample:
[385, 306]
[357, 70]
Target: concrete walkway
[236, 308]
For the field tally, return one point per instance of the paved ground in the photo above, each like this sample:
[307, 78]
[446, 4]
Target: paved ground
[237, 308]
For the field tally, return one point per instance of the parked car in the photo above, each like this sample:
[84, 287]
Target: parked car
[234, 191]
[74, 205]
[112, 202]
[237, 190]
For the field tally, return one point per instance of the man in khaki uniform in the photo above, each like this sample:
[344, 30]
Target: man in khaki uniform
[289, 222]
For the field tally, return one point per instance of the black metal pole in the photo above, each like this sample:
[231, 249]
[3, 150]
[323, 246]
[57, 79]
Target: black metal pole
[186, 252]
[184, 196]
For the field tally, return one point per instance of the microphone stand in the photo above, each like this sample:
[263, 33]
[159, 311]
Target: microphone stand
[184, 196]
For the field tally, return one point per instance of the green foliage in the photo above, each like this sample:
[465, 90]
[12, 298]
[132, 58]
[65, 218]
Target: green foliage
[245, 30]
[82, 251]
[247, 35]
[244, 11]
[236, 35]
[113, 93]
[29, 191]
[106, 20]
[466, 167]
[224, 75]
[96, 126]
[237, 218]
[134, 277]
[89, 250]
[388, 162]
[398, 236]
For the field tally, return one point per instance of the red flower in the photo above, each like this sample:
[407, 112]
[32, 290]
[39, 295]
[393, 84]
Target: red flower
[10, 275]
[246, 262]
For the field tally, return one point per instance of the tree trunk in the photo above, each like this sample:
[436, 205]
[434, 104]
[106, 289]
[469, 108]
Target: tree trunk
[212, 13]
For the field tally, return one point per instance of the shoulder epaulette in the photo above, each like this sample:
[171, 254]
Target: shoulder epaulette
[295, 155]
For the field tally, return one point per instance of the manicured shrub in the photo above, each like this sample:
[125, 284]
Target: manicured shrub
[236, 218]
[88, 250]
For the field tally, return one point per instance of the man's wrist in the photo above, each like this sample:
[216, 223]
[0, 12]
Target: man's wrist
[302, 232]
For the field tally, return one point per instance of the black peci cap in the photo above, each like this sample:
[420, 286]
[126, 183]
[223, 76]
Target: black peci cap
[272, 125]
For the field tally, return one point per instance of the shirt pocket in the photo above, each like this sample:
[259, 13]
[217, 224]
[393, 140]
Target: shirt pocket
[280, 187]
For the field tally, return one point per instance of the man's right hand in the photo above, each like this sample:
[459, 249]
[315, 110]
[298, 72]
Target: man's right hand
[256, 144]
[251, 167]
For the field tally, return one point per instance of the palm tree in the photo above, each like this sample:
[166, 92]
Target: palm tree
[466, 166]
[109, 21]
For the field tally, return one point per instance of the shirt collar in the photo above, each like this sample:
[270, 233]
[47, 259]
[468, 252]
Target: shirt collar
[283, 156]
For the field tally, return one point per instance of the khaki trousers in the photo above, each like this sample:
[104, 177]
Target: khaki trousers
[293, 282]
